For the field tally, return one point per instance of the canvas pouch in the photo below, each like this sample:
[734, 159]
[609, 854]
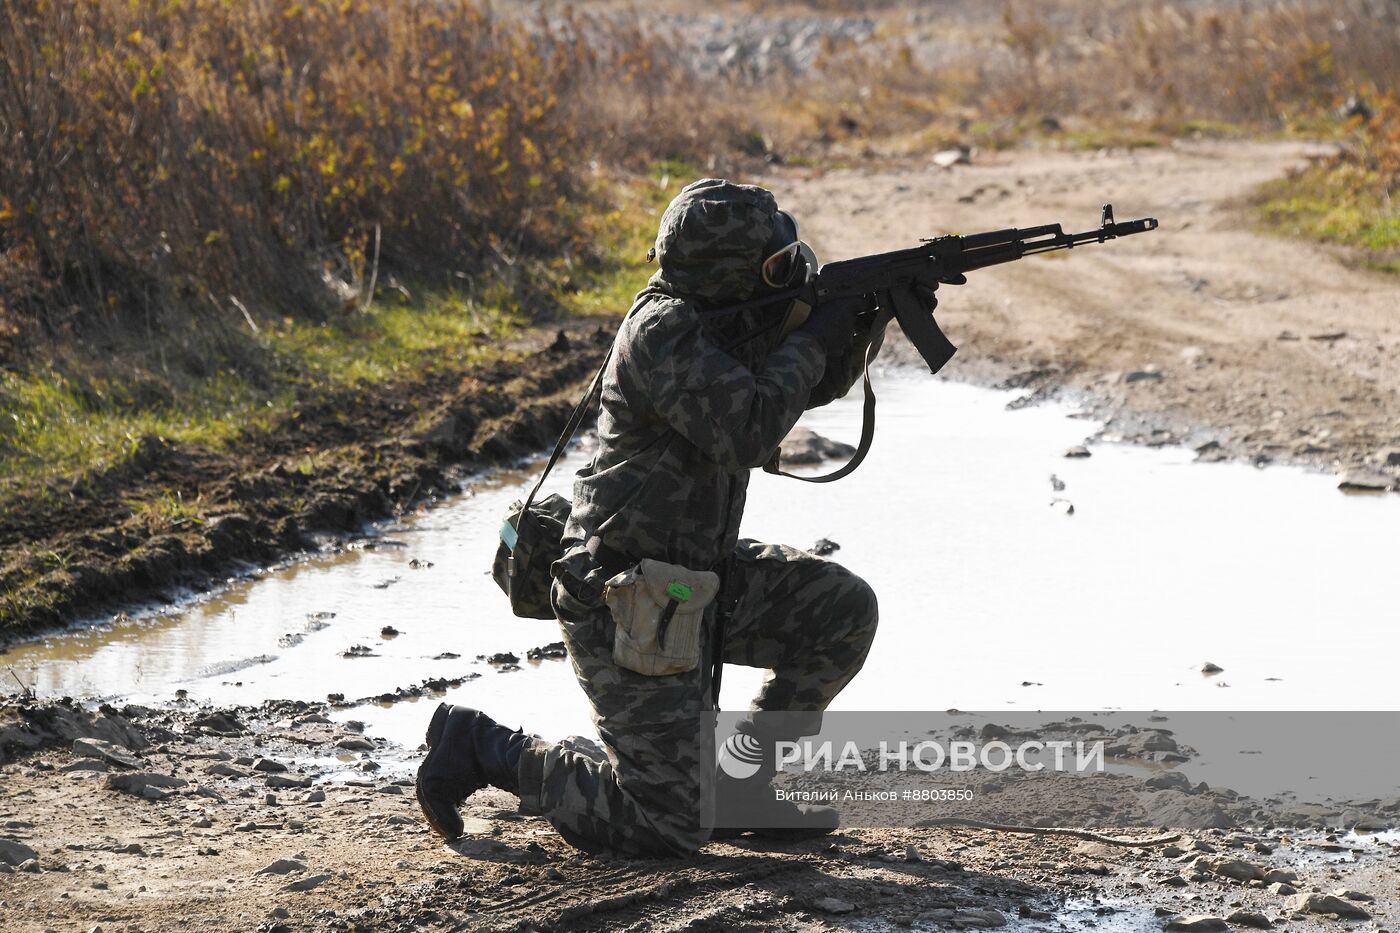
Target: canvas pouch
[658, 610]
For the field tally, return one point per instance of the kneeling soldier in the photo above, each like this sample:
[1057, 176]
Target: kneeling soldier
[655, 583]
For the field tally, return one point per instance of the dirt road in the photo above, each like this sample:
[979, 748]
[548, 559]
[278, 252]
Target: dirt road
[1208, 329]
[199, 819]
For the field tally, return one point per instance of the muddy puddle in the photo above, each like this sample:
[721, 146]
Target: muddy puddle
[994, 596]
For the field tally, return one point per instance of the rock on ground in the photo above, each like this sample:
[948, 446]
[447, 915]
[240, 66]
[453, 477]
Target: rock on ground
[833, 905]
[1326, 904]
[144, 783]
[1198, 923]
[804, 447]
[14, 852]
[283, 866]
[1248, 918]
[105, 751]
[1238, 869]
[978, 918]
[1173, 808]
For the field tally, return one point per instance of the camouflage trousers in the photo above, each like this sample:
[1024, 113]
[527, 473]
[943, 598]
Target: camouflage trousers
[808, 621]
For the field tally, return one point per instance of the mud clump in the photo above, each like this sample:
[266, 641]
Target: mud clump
[554, 649]
[429, 687]
[30, 727]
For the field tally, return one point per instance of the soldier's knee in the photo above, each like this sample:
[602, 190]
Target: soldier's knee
[674, 811]
[644, 835]
[684, 845]
[870, 603]
[858, 607]
[671, 835]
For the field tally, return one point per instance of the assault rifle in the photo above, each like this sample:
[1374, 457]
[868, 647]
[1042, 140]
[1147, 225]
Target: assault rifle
[894, 278]
[902, 284]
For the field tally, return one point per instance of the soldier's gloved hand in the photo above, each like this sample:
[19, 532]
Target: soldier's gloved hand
[833, 322]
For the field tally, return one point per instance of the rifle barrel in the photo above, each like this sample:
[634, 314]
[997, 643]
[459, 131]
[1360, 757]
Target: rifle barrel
[979, 251]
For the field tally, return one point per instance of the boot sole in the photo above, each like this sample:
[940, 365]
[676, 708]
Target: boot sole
[433, 737]
[725, 833]
[777, 834]
[794, 834]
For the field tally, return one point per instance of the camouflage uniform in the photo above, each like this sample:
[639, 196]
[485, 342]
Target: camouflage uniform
[682, 421]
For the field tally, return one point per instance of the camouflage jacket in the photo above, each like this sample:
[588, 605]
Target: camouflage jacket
[682, 419]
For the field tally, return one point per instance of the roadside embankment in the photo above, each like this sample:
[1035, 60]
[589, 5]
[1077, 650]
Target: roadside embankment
[328, 468]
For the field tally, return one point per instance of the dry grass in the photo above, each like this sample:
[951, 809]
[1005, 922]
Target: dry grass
[1078, 72]
[175, 154]
[196, 197]
[196, 200]
[240, 160]
[1262, 63]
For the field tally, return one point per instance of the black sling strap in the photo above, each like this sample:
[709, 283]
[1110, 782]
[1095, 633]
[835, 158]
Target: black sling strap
[571, 426]
[867, 427]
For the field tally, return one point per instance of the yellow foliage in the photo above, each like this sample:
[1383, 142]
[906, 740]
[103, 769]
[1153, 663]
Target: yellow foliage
[181, 130]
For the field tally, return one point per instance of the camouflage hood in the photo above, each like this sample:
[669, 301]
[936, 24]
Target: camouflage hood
[711, 242]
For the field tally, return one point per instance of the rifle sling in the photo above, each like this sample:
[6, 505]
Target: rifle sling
[867, 427]
[571, 427]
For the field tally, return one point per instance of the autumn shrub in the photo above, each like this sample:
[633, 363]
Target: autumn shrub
[637, 98]
[1380, 148]
[224, 161]
[1351, 197]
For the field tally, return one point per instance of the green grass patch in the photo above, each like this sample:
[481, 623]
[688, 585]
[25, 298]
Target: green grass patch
[1112, 137]
[1210, 129]
[87, 405]
[67, 420]
[394, 340]
[1336, 202]
[170, 509]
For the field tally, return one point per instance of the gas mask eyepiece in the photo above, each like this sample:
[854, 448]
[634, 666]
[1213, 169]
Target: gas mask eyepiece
[790, 261]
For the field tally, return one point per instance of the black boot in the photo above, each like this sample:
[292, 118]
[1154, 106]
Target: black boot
[748, 804]
[467, 750]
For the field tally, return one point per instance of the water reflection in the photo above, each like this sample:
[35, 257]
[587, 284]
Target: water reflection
[990, 597]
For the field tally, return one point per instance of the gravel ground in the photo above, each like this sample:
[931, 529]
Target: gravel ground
[277, 818]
